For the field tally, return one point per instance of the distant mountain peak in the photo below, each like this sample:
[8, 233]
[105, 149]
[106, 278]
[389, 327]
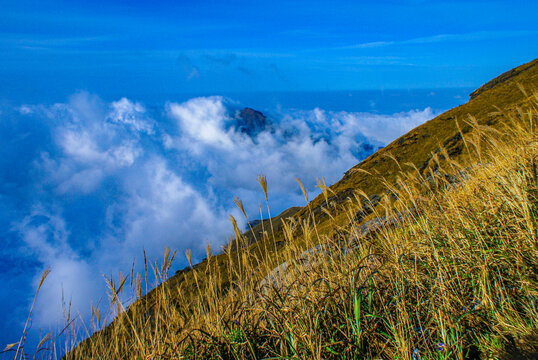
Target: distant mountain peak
[250, 121]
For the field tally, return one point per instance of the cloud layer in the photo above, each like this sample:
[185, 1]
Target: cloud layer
[87, 185]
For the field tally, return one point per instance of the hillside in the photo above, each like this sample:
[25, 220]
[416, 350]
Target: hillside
[213, 309]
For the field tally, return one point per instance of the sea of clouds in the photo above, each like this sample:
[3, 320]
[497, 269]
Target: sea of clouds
[87, 185]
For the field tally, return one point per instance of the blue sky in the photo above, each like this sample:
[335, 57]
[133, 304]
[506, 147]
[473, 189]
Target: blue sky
[129, 48]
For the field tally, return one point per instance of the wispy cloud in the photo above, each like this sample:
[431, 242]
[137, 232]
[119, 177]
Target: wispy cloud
[367, 45]
[44, 42]
[374, 60]
[441, 38]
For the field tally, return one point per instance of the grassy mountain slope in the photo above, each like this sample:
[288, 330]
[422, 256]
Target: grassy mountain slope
[366, 293]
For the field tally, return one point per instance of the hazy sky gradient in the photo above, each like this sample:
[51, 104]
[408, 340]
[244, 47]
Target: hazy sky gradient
[132, 48]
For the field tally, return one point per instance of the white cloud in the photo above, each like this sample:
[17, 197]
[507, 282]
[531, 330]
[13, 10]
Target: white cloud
[45, 236]
[203, 120]
[25, 109]
[305, 144]
[80, 146]
[72, 284]
[158, 209]
[384, 128]
[84, 181]
[94, 143]
[148, 207]
[166, 211]
[132, 114]
[112, 182]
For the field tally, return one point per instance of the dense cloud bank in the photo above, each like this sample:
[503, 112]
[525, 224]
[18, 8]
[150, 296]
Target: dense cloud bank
[86, 185]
